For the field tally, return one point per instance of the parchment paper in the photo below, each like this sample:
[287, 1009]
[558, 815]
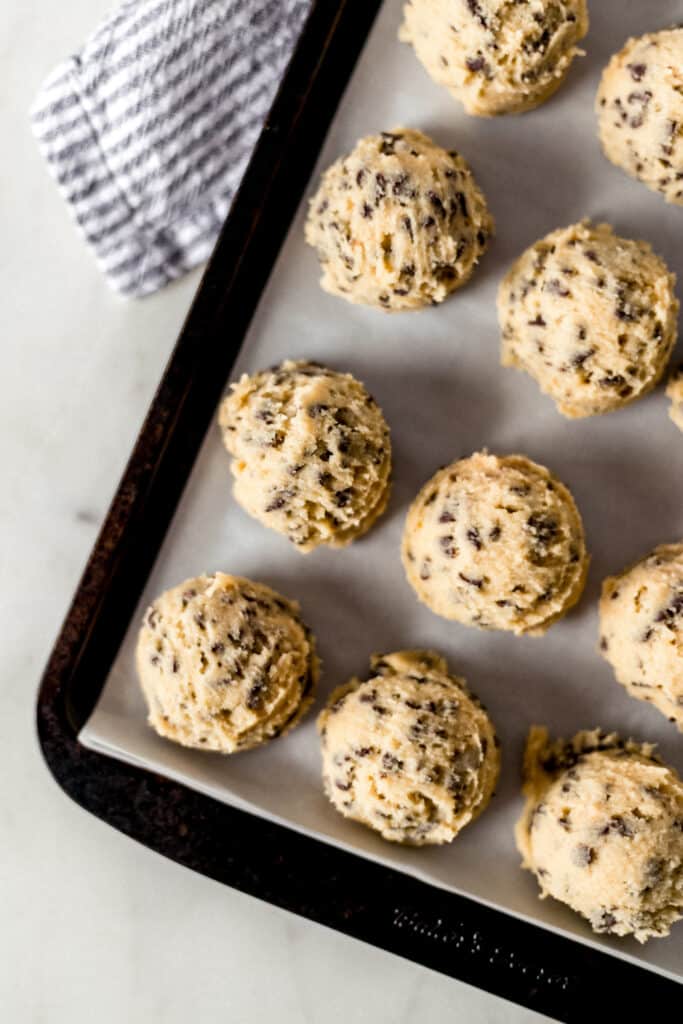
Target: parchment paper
[436, 374]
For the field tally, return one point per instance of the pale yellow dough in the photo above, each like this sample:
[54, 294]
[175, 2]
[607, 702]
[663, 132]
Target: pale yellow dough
[496, 56]
[225, 664]
[640, 111]
[496, 542]
[602, 831]
[311, 453]
[409, 752]
[399, 223]
[590, 316]
[674, 391]
[641, 629]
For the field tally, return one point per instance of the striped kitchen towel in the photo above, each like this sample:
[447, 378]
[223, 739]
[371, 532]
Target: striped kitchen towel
[148, 130]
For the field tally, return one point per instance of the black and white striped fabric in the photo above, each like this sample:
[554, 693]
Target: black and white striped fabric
[148, 130]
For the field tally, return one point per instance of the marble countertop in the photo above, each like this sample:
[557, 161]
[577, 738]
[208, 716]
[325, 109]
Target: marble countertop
[97, 927]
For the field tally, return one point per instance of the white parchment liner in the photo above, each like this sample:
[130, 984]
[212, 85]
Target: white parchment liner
[436, 375]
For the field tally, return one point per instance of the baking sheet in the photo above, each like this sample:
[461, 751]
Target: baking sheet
[436, 375]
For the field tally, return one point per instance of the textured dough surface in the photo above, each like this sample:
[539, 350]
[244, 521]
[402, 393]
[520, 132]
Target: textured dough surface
[408, 752]
[311, 453]
[602, 831]
[496, 56]
[496, 543]
[674, 391]
[590, 316]
[640, 111]
[641, 629]
[225, 664]
[399, 223]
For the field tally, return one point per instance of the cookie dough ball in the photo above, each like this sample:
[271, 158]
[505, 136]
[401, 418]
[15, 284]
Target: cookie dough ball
[602, 831]
[409, 751]
[496, 57]
[496, 543]
[640, 111]
[590, 316]
[675, 392]
[399, 223]
[311, 453]
[641, 629]
[225, 664]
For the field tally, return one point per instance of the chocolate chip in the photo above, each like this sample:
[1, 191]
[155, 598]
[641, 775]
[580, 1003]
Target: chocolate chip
[637, 71]
[257, 693]
[555, 287]
[400, 186]
[471, 581]
[437, 203]
[476, 12]
[583, 856]
[642, 100]
[447, 545]
[278, 502]
[474, 537]
[543, 528]
[671, 612]
[537, 322]
[475, 63]
[580, 358]
[391, 763]
[613, 381]
[617, 826]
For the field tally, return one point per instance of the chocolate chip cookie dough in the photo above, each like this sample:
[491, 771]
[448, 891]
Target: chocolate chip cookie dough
[399, 223]
[496, 56]
[311, 453]
[602, 831]
[496, 542]
[409, 752]
[225, 664]
[640, 111]
[590, 316]
[641, 629]
[674, 391]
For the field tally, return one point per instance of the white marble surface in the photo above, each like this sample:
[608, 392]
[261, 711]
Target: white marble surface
[94, 926]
